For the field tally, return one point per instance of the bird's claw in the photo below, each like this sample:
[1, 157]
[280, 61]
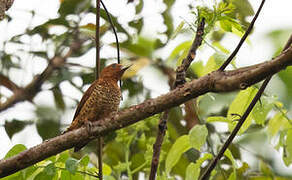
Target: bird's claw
[88, 125]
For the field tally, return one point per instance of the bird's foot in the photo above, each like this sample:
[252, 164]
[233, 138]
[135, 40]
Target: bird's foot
[88, 125]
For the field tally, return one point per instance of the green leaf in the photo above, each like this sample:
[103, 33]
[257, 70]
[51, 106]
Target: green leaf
[192, 171]
[220, 47]
[179, 48]
[217, 119]
[71, 165]
[16, 149]
[261, 110]
[213, 63]
[58, 97]
[277, 123]
[238, 107]
[15, 126]
[63, 156]
[229, 155]
[181, 145]
[265, 169]
[84, 160]
[73, 6]
[50, 169]
[178, 29]
[198, 136]
[168, 20]
[287, 155]
[48, 117]
[198, 68]
[285, 76]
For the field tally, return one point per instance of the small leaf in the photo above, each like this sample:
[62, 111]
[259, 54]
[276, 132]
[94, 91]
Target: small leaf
[84, 160]
[192, 172]
[198, 135]
[50, 169]
[71, 165]
[181, 145]
[16, 149]
[265, 169]
[178, 30]
[277, 123]
[14, 126]
[217, 119]
[238, 107]
[135, 67]
[58, 97]
[287, 154]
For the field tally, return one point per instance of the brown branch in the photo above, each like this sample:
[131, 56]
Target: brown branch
[216, 81]
[242, 119]
[182, 69]
[6, 82]
[29, 91]
[247, 32]
[97, 69]
[180, 80]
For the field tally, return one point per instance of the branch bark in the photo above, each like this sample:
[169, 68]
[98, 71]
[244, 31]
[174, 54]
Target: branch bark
[29, 91]
[217, 81]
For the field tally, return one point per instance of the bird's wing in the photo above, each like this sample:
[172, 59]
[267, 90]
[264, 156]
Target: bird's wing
[84, 99]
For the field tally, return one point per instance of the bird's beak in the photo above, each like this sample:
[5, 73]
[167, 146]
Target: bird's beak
[125, 68]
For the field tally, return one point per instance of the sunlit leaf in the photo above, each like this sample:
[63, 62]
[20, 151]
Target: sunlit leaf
[16, 149]
[277, 123]
[287, 154]
[181, 145]
[239, 106]
[135, 67]
[198, 135]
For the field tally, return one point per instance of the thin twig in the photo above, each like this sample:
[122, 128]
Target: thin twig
[116, 36]
[180, 80]
[181, 70]
[247, 32]
[213, 163]
[99, 139]
[157, 145]
[97, 57]
[242, 119]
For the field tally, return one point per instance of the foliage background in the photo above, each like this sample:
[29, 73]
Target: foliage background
[155, 37]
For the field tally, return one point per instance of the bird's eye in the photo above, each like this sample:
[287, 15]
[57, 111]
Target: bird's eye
[114, 65]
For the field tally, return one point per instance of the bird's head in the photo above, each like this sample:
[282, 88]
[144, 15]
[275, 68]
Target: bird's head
[113, 71]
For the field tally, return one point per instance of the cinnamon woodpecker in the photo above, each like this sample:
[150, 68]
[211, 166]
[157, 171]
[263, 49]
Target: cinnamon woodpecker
[100, 100]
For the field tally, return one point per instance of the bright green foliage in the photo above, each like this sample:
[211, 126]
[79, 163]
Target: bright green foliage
[181, 145]
[198, 135]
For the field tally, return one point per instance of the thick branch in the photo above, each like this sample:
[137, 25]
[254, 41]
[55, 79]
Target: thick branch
[216, 81]
[5, 81]
[29, 92]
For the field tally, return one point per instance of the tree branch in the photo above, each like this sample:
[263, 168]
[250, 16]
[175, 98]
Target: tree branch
[5, 81]
[29, 91]
[216, 81]
[242, 119]
[233, 54]
[180, 80]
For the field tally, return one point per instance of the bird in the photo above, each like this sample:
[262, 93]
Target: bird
[100, 100]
